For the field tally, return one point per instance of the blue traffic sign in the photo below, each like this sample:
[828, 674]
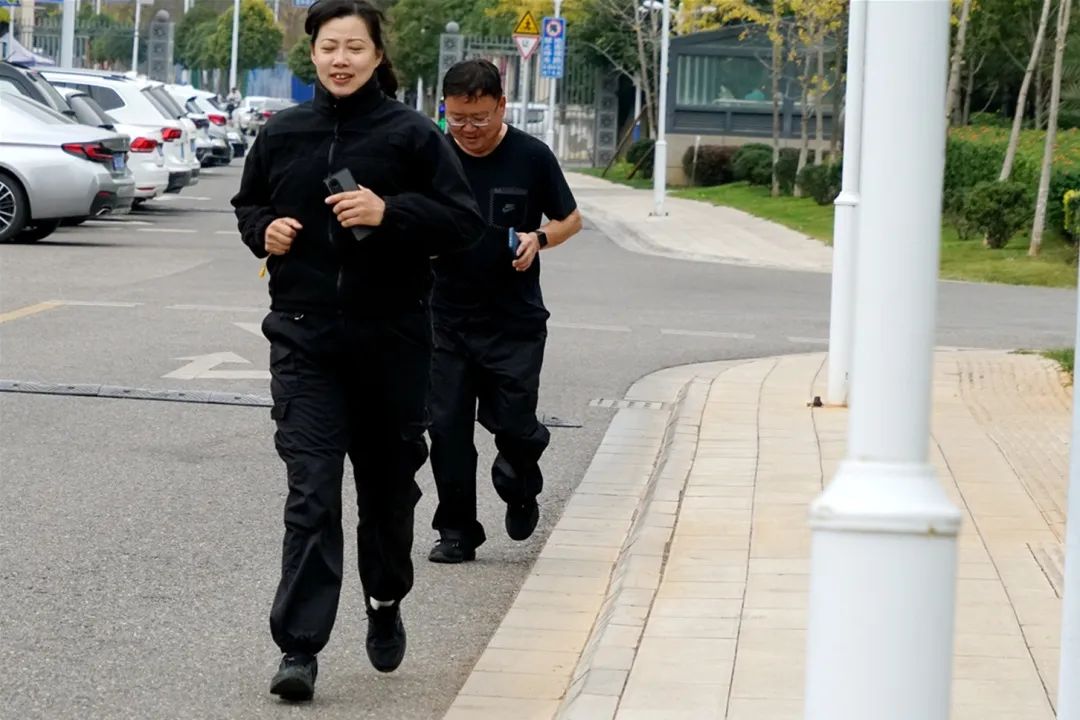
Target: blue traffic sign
[552, 47]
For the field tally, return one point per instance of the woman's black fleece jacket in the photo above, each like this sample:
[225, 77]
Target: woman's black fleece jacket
[390, 149]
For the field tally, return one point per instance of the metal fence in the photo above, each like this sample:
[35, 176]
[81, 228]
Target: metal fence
[99, 42]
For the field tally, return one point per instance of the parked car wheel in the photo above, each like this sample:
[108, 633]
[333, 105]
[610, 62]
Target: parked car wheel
[13, 208]
[39, 230]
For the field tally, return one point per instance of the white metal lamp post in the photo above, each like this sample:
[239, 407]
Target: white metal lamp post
[883, 551]
[549, 133]
[660, 149]
[235, 45]
[67, 34]
[846, 225]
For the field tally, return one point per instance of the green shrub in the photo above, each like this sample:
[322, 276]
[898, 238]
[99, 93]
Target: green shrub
[1071, 205]
[821, 182]
[642, 149]
[998, 210]
[985, 119]
[753, 163]
[713, 167]
[786, 169]
[1060, 183]
[966, 165]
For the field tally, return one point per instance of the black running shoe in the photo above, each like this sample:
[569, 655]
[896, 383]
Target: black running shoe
[521, 519]
[385, 638]
[451, 551]
[295, 678]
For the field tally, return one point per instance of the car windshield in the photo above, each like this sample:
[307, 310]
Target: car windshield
[34, 109]
[157, 105]
[55, 98]
[276, 104]
[167, 100]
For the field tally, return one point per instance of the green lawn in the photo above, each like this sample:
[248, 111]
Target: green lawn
[1063, 356]
[960, 259]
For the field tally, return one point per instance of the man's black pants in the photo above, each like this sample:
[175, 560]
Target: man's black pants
[355, 387]
[493, 376]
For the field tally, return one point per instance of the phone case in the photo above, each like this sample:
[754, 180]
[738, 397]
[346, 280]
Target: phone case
[343, 181]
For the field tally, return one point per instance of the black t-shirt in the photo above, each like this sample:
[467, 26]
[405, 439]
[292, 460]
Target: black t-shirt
[516, 185]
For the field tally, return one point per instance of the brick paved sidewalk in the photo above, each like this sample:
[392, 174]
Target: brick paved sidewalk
[675, 584]
[694, 230]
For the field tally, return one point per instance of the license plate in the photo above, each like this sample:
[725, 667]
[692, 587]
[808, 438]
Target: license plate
[119, 161]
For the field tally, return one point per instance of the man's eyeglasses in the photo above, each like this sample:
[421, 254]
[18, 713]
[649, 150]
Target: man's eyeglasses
[460, 122]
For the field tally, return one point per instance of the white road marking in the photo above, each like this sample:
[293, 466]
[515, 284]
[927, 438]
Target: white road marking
[226, 232]
[810, 340]
[202, 367]
[217, 308]
[172, 197]
[707, 333]
[176, 231]
[96, 303]
[253, 328]
[114, 222]
[588, 326]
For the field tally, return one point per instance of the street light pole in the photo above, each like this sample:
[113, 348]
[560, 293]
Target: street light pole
[235, 44]
[135, 39]
[67, 34]
[883, 549]
[846, 224]
[660, 149]
[549, 134]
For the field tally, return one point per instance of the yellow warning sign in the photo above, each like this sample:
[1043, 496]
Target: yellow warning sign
[527, 25]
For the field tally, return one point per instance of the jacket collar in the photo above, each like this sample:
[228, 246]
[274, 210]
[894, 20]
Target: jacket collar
[359, 103]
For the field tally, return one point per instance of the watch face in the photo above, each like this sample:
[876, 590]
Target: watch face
[542, 236]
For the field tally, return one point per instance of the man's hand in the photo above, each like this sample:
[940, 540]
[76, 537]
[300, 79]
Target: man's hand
[359, 207]
[280, 235]
[529, 245]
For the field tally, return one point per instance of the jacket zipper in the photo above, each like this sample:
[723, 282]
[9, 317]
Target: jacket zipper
[330, 225]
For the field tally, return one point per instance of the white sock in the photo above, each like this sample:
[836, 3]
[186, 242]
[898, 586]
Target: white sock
[376, 604]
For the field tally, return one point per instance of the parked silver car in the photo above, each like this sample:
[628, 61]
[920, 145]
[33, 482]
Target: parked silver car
[52, 169]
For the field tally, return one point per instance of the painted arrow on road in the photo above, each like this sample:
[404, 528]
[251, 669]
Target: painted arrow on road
[202, 367]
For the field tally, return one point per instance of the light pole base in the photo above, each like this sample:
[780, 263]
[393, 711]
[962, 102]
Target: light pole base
[882, 595]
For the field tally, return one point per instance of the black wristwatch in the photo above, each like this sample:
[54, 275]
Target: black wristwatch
[541, 237]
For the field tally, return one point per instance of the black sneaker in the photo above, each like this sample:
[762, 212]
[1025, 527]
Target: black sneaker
[385, 638]
[295, 678]
[451, 551]
[521, 519]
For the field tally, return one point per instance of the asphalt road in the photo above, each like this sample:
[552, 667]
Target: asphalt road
[139, 540]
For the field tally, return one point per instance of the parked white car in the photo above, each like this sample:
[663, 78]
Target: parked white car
[53, 169]
[147, 154]
[255, 110]
[125, 100]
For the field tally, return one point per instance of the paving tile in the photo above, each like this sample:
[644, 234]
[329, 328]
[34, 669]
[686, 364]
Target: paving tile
[487, 708]
[531, 686]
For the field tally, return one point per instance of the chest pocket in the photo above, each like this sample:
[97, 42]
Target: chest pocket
[508, 207]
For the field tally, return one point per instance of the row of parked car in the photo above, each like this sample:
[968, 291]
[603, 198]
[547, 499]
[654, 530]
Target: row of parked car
[75, 144]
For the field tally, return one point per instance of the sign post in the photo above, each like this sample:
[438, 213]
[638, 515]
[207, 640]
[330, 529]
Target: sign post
[553, 65]
[527, 38]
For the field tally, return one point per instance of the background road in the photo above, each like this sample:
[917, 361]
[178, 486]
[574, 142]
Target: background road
[139, 540]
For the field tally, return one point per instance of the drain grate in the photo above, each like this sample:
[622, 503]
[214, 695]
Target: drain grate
[629, 404]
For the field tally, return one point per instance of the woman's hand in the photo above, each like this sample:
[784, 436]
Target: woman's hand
[358, 207]
[280, 235]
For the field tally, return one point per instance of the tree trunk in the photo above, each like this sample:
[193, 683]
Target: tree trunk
[957, 61]
[1037, 228]
[650, 115]
[968, 92]
[1021, 99]
[1040, 89]
[819, 105]
[777, 68]
[804, 123]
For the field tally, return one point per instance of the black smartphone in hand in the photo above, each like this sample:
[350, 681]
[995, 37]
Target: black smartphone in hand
[343, 181]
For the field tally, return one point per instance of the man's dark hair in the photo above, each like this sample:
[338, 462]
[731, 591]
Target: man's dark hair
[473, 79]
[323, 11]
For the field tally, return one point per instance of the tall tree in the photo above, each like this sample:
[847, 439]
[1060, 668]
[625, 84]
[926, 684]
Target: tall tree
[957, 61]
[259, 41]
[1060, 40]
[1021, 98]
